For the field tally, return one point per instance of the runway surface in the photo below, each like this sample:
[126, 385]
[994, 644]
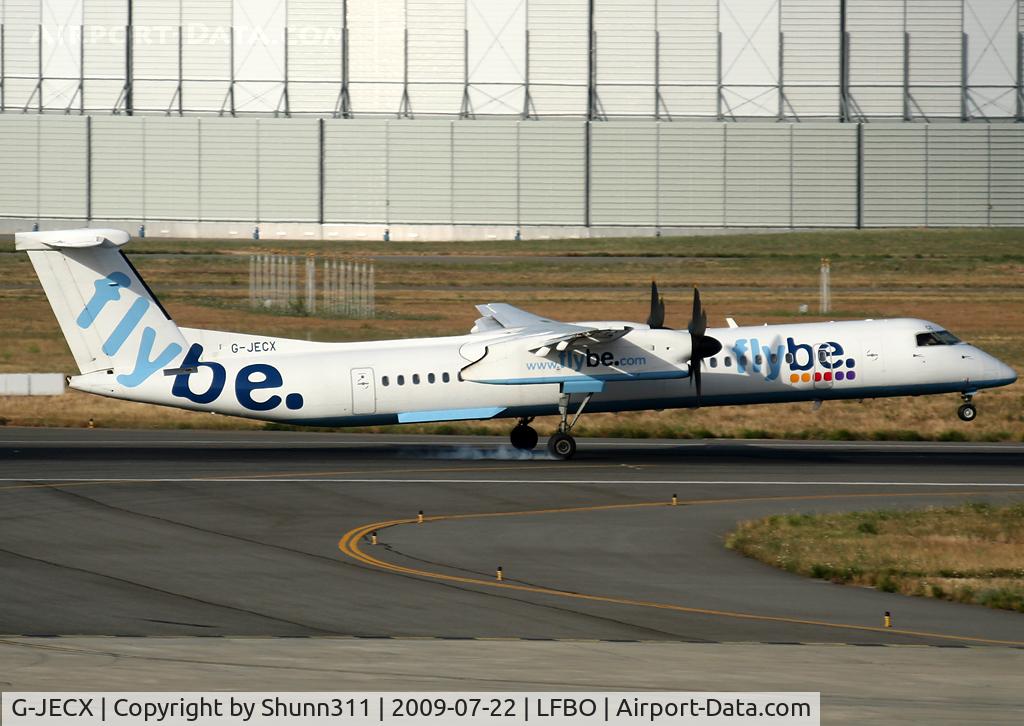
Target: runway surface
[176, 533]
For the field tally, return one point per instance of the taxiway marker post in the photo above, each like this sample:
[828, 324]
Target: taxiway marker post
[419, 517]
[888, 619]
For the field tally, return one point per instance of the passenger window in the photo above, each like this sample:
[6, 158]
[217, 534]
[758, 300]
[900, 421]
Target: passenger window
[774, 358]
[446, 378]
[789, 357]
[384, 381]
[728, 362]
[822, 355]
[742, 360]
[431, 378]
[401, 380]
[758, 359]
[714, 362]
[416, 379]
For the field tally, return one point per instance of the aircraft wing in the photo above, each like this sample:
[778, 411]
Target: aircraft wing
[594, 335]
[508, 316]
[550, 333]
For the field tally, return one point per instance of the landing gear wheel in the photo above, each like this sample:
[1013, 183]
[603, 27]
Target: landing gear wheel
[562, 446]
[524, 437]
[967, 412]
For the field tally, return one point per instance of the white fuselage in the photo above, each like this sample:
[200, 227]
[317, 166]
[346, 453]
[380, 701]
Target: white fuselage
[464, 377]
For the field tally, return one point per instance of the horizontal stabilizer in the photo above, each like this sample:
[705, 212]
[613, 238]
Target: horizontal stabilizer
[71, 239]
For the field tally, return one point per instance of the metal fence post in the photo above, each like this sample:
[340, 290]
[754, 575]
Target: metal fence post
[964, 99]
[3, 67]
[519, 180]
[129, 61]
[88, 168]
[781, 112]
[907, 115]
[587, 150]
[725, 175]
[1020, 77]
[860, 176]
[591, 109]
[321, 171]
[718, 75]
[791, 174]
[844, 65]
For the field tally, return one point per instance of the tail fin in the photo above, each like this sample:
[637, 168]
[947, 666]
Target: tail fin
[109, 316]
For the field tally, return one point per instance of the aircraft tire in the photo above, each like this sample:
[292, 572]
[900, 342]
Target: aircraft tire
[524, 438]
[562, 446]
[967, 412]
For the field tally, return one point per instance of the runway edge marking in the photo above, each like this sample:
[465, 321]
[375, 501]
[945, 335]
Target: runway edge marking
[7, 639]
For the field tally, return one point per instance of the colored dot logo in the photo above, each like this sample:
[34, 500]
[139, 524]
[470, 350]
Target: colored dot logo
[825, 376]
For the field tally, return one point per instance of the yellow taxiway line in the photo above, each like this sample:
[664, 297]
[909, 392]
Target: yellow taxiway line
[350, 545]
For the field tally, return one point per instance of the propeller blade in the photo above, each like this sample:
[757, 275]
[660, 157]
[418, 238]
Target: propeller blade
[656, 319]
[704, 346]
[698, 318]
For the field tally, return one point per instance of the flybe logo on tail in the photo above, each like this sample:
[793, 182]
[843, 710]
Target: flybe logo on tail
[108, 290]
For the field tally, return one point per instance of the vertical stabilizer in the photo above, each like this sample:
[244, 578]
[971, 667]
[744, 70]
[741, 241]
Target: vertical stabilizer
[108, 315]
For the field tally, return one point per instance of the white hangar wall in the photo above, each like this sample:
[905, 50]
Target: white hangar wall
[653, 174]
[723, 59]
[579, 115]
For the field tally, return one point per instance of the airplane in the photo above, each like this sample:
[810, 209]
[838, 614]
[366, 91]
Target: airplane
[512, 364]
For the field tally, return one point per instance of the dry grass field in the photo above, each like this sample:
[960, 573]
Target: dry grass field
[969, 280]
[946, 553]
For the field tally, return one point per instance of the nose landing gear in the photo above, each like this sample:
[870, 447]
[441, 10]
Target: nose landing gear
[968, 411]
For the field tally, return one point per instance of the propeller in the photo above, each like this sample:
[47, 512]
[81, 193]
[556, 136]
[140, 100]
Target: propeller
[656, 320]
[703, 345]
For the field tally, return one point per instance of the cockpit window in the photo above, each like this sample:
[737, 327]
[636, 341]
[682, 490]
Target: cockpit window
[937, 337]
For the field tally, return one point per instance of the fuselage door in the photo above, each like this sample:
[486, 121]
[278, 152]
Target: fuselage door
[364, 394]
[823, 366]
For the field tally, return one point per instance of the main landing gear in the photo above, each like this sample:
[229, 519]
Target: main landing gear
[967, 412]
[562, 445]
[524, 436]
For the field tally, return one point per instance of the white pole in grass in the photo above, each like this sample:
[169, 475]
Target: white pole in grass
[373, 290]
[826, 285]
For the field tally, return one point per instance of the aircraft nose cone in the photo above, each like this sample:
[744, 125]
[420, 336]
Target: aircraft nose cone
[1006, 373]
